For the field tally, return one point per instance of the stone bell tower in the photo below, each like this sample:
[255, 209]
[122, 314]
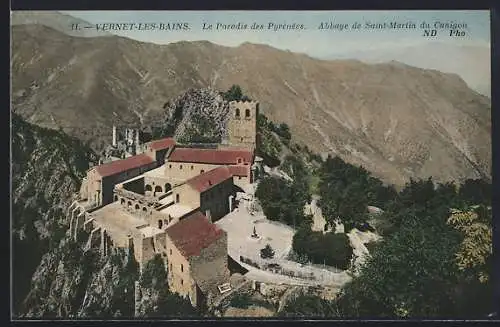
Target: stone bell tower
[242, 123]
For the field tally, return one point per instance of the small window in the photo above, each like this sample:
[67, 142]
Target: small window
[182, 267]
[239, 160]
[247, 113]
[192, 167]
[202, 171]
[180, 167]
[237, 112]
[177, 198]
[170, 267]
[169, 166]
[182, 281]
[170, 254]
[239, 177]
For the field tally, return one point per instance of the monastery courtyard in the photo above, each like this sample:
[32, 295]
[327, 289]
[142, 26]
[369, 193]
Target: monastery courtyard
[239, 225]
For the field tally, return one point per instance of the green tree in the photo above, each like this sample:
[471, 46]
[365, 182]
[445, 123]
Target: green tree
[329, 248]
[476, 191]
[476, 248]
[431, 265]
[281, 200]
[235, 93]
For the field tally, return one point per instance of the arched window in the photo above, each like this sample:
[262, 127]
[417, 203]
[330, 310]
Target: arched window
[182, 267]
[129, 203]
[122, 201]
[237, 112]
[168, 187]
[148, 188]
[247, 113]
[202, 171]
[157, 188]
[144, 209]
[160, 224]
[180, 167]
[137, 207]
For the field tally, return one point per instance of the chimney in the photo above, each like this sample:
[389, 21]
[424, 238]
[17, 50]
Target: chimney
[114, 135]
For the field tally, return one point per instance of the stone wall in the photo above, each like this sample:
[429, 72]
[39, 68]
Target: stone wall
[185, 170]
[179, 272]
[186, 196]
[148, 249]
[216, 199]
[103, 189]
[157, 186]
[93, 186]
[210, 269]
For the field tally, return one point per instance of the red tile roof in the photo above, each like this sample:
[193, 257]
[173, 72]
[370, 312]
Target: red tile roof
[119, 166]
[239, 170]
[193, 233]
[209, 179]
[162, 144]
[211, 156]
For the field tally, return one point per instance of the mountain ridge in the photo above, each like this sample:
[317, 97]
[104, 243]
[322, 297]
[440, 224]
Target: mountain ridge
[365, 113]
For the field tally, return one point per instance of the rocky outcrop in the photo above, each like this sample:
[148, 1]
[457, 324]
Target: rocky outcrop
[198, 115]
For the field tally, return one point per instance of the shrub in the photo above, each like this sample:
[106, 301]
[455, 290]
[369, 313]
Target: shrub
[267, 252]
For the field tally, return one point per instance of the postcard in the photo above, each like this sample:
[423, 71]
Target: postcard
[227, 164]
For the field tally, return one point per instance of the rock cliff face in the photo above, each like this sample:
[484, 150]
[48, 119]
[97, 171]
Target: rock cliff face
[396, 120]
[47, 167]
[71, 283]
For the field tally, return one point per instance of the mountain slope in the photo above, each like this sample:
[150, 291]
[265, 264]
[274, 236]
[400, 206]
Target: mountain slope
[397, 121]
[56, 20]
[471, 63]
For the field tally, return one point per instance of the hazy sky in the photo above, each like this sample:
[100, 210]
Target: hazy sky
[311, 40]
